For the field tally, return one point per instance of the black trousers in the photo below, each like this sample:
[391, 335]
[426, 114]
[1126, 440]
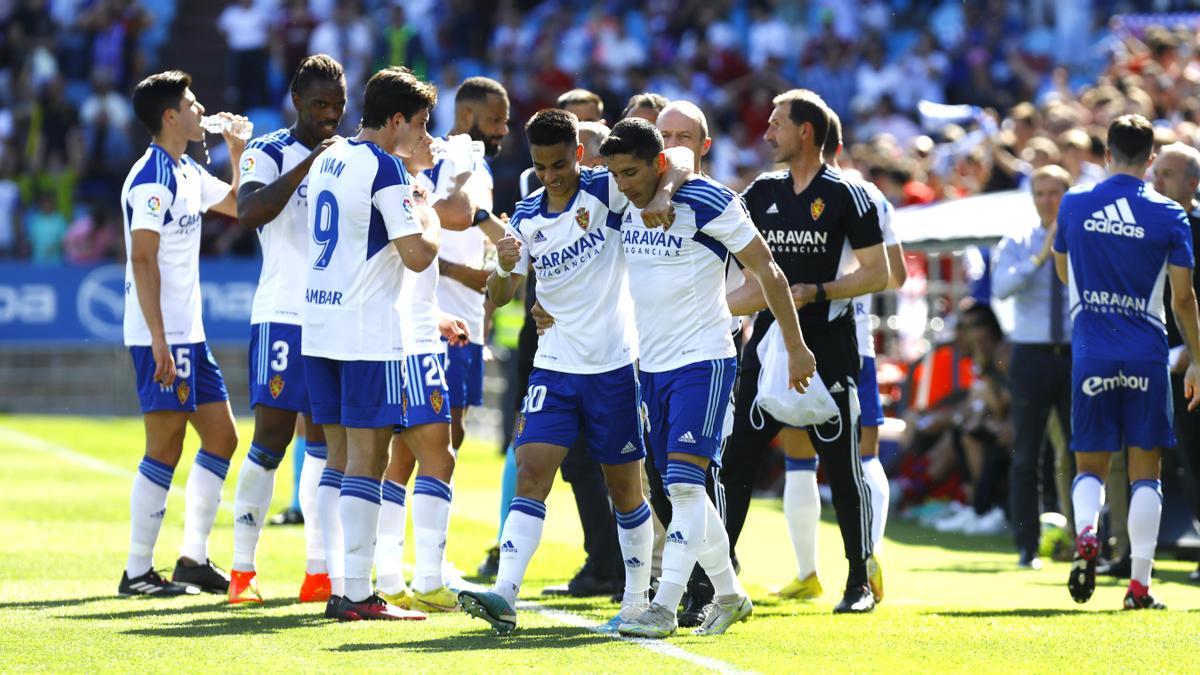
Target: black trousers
[1187, 433]
[836, 350]
[1039, 381]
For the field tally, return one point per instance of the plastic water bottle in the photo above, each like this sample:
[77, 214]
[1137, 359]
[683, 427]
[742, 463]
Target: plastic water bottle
[213, 124]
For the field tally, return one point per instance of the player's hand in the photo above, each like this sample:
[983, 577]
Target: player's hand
[164, 363]
[802, 365]
[802, 294]
[322, 146]
[508, 252]
[541, 318]
[454, 330]
[1191, 385]
[659, 213]
[236, 145]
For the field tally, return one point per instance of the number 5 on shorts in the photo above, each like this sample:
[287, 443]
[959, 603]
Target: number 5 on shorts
[535, 398]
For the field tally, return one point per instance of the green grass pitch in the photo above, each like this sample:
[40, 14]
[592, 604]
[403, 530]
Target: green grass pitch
[954, 604]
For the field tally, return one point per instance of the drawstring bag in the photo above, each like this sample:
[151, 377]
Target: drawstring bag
[814, 407]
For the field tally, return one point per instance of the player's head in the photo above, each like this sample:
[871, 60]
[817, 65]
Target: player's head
[555, 149]
[165, 105]
[798, 124]
[1130, 142]
[481, 110]
[591, 136]
[586, 105]
[421, 157]
[683, 124]
[645, 105]
[634, 152]
[1048, 184]
[1177, 173]
[398, 103]
[833, 139]
[319, 95]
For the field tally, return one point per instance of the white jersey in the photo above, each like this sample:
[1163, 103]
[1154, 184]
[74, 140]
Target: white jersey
[677, 276]
[280, 294]
[418, 300]
[361, 200]
[465, 247]
[581, 279]
[167, 197]
[862, 303]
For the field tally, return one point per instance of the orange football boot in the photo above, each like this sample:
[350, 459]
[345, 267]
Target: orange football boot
[316, 588]
[243, 588]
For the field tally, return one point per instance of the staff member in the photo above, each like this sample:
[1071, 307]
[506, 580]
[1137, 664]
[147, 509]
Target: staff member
[1041, 358]
[824, 232]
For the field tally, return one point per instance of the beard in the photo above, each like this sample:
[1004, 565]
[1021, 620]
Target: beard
[491, 144]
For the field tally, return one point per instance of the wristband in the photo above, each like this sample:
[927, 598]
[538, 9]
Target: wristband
[502, 273]
[480, 216]
[820, 297]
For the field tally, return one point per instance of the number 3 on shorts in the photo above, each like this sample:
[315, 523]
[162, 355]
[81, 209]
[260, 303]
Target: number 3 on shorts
[535, 398]
[280, 362]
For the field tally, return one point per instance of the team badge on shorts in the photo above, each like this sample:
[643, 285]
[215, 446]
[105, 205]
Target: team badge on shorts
[519, 426]
[436, 400]
[182, 391]
[276, 385]
[582, 217]
[817, 208]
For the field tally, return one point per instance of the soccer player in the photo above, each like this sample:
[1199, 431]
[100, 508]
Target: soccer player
[687, 358]
[824, 232]
[364, 233]
[273, 200]
[426, 426]
[583, 379]
[178, 379]
[1117, 243]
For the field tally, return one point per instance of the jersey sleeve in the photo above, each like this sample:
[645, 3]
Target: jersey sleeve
[600, 184]
[885, 210]
[862, 228]
[391, 195]
[259, 165]
[212, 189]
[1060, 231]
[720, 213]
[1181, 253]
[148, 206]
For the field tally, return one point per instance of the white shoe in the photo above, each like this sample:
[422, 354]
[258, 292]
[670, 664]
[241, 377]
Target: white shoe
[628, 613]
[957, 521]
[992, 522]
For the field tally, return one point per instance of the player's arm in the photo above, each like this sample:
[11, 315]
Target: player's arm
[659, 213]
[259, 203]
[870, 277]
[227, 203]
[419, 249]
[1183, 304]
[502, 283]
[471, 277]
[144, 259]
[897, 270]
[758, 261]
[1060, 266]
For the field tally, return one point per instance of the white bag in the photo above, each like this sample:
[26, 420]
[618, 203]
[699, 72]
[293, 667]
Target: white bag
[815, 406]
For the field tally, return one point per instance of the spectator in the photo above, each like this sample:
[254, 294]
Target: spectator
[247, 29]
[347, 38]
[292, 33]
[402, 46]
[45, 227]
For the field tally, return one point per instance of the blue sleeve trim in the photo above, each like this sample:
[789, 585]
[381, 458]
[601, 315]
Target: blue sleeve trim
[712, 244]
[707, 199]
[595, 183]
[391, 172]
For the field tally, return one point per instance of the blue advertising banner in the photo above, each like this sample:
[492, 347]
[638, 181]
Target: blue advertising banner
[61, 305]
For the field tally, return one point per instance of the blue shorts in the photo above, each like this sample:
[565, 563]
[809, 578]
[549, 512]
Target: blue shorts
[1115, 404]
[869, 399]
[198, 379]
[686, 407]
[425, 398]
[359, 394]
[606, 407]
[464, 375]
[276, 368]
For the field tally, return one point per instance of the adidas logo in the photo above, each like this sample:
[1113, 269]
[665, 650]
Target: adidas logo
[246, 519]
[629, 447]
[772, 209]
[159, 515]
[1116, 218]
[676, 537]
[837, 388]
[687, 438]
[507, 547]
[539, 237]
[633, 562]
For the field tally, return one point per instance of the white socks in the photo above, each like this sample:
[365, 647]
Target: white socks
[328, 494]
[147, 507]
[358, 506]
[203, 497]
[802, 509]
[1145, 514]
[389, 549]
[714, 555]
[256, 482]
[518, 540]
[636, 536]
[877, 480]
[431, 517]
[1087, 496]
[685, 533]
[310, 478]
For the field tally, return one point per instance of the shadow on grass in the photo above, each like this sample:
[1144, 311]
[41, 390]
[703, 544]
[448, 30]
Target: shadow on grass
[231, 623]
[1028, 613]
[59, 602]
[911, 533]
[556, 637]
[184, 608]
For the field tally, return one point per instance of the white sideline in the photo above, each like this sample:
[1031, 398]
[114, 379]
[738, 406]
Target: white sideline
[9, 436]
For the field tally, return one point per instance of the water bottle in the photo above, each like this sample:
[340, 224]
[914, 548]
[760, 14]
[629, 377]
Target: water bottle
[214, 124]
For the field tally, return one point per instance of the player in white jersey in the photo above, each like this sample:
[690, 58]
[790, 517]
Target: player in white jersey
[273, 200]
[178, 380]
[583, 379]
[687, 358]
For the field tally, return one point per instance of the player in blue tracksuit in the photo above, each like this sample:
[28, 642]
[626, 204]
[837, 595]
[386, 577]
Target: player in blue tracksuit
[1118, 243]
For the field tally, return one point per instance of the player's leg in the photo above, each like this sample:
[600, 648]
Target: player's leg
[871, 420]
[801, 511]
[389, 547]
[1148, 416]
[273, 429]
[324, 377]
[213, 421]
[1097, 432]
[316, 586]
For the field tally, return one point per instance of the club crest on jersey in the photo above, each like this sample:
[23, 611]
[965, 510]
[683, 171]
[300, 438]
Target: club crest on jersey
[276, 385]
[247, 165]
[582, 217]
[182, 391]
[436, 400]
[817, 208]
[519, 425]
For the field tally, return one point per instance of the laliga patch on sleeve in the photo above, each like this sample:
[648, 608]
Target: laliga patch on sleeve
[247, 165]
[154, 206]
